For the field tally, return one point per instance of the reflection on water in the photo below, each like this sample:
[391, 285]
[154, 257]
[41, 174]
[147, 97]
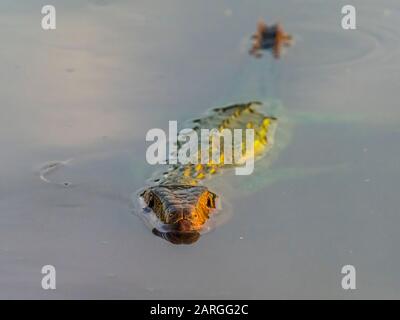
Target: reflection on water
[175, 237]
[114, 69]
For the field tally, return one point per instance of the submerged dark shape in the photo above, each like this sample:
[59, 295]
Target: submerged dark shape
[176, 237]
[269, 38]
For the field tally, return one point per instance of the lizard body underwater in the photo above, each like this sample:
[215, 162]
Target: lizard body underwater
[177, 199]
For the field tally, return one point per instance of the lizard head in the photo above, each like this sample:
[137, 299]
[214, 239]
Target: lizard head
[183, 209]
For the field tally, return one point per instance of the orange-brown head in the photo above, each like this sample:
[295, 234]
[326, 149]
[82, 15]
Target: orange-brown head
[182, 208]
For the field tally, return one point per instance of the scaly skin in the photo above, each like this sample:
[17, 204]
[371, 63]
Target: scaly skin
[178, 199]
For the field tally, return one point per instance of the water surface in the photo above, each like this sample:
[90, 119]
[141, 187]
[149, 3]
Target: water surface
[91, 89]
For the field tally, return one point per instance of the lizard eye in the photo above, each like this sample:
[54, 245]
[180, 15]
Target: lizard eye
[151, 202]
[169, 215]
[211, 200]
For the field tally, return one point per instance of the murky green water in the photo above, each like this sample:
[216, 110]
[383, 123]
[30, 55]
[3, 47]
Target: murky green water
[91, 89]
